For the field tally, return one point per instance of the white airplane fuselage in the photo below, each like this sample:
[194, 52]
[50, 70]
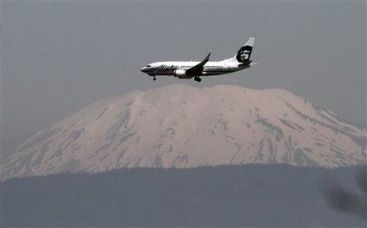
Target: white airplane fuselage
[210, 68]
[195, 69]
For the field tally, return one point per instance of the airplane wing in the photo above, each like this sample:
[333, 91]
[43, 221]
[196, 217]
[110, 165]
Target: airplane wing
[198, 68]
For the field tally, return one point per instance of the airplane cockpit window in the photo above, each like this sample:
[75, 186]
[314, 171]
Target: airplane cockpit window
[148, 65]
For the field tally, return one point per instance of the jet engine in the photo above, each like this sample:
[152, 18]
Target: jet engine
[180, 73]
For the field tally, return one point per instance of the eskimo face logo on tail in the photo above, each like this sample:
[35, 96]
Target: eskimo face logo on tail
[244, 54]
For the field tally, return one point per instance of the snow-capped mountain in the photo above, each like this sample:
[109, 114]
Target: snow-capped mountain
[183, 126]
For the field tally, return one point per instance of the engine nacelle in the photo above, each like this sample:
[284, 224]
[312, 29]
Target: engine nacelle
[180, 73]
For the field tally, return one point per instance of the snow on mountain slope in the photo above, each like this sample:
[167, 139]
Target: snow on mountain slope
[182, 126]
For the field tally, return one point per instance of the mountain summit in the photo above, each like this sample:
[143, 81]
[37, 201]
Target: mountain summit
[183, 126]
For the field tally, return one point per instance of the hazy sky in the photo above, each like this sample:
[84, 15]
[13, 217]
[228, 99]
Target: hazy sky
[58, 56]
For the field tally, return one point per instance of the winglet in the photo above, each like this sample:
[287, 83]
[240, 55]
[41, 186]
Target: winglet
[207, 57]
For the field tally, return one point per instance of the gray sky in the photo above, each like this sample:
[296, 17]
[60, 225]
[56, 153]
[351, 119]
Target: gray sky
[60, 56]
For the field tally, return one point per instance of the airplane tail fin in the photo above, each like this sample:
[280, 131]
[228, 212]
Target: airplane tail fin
[244, 53]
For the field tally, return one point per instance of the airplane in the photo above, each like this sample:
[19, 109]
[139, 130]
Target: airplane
[194, 69]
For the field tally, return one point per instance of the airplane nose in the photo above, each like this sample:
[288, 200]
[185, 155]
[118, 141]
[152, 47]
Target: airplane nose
[143, 69]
